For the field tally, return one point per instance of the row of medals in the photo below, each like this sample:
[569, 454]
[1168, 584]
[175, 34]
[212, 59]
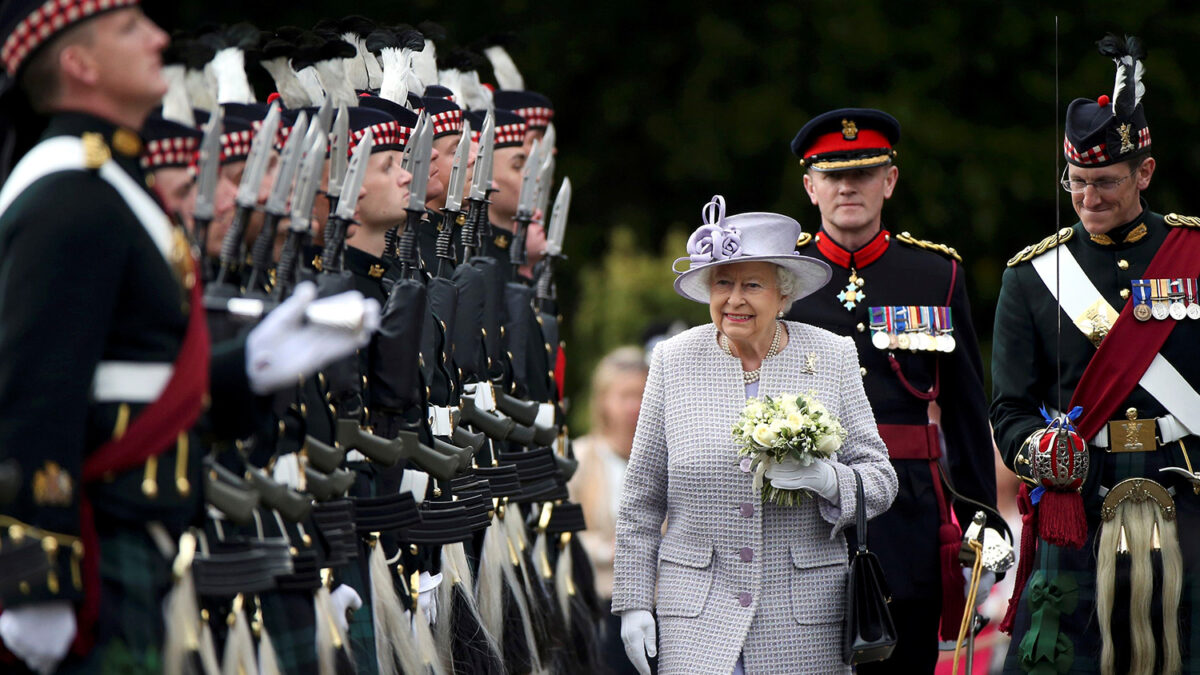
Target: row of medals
[1164, 308]
[913, 341]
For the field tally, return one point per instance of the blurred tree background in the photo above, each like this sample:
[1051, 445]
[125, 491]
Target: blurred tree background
[661, 105]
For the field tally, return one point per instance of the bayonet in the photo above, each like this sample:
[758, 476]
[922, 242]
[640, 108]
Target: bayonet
[339, 152]
[276, 208]
[525, 202]
[458, 171]
[422, 148]
[335, 229]
[308, 180]
[546, 291]
[206, 182]
[453, 215]
[477, 218]
[247, 199]
[558, 220]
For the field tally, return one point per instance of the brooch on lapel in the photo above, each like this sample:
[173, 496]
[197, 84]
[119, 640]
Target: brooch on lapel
[810, 364]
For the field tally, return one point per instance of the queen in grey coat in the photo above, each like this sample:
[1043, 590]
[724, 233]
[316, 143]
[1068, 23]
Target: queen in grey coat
[736, 584]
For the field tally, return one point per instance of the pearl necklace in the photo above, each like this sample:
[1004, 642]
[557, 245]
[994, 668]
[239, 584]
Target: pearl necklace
[751, 376]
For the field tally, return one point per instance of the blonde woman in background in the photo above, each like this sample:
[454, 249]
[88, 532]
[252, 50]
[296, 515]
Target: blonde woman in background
[617, 386]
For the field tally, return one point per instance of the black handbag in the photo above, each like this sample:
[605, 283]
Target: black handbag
[870, 634]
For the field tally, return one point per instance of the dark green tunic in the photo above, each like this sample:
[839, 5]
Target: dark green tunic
[1024, 379]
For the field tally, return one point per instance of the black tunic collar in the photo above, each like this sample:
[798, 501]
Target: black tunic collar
[363, 264]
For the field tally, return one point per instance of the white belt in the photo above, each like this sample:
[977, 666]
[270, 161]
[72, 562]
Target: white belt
[1170, 429]
[130, 381]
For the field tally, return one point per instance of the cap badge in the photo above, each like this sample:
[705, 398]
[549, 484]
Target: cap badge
[1126, 143]
[849, 130]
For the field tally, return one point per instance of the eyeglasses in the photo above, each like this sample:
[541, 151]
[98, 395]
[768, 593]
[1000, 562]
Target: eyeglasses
[1075, 185]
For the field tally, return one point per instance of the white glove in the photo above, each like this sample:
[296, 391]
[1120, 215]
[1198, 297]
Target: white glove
[819, 477]
[986, 581]
[282, 347]
[344, 598]
[427, 595]
[640, 638]
[40, 633]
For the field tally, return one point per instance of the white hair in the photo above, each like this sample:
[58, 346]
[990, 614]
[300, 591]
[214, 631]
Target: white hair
[785, 280]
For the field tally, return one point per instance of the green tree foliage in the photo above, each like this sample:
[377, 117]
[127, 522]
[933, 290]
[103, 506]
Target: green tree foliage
[620, 294]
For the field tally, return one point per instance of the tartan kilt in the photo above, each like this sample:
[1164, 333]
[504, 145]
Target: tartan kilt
[1054, 564]
[134, 581]
[291, 622]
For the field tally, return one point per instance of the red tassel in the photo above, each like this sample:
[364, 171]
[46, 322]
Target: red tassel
[1029, 528]
[1061, 520]
[953, 602]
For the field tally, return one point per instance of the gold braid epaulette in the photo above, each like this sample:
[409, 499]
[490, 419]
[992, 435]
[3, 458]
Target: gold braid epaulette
[804, 240]
[906, 238]
[1030, 252]
[1176, 220]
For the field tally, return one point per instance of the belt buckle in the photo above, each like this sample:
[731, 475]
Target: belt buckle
[1132, 434]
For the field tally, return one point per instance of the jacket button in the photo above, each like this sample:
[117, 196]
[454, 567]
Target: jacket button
[747, 509]
[746, 554]
[860, 328]
[1124, 293]
[744, 599]
[1123, 264]
[862, 372]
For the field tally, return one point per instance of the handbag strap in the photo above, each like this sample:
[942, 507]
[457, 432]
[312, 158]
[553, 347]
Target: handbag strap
[860, 513]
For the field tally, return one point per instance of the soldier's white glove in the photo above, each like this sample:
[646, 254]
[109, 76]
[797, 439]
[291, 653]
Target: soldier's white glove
[427, 595]
[282, 347]
[344, 598]
[640, 638]
[819, 477]
[986, 581]
[40, 633]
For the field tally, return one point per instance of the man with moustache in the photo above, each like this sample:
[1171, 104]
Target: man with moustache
[898, 298]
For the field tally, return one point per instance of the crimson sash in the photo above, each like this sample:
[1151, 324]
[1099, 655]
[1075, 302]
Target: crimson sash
[151, 433]
[1131, 345]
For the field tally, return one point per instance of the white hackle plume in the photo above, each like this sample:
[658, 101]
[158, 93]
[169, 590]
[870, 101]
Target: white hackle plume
[425, 64]
[229, 67]
[307, 76]
[452, 79]
[356, 66]
[394, 86]
[394, 640]
[290, 89]
[331, 73]
[177, 107]
[507, 75]
[200, 87]
[411, 81]
[477, 96]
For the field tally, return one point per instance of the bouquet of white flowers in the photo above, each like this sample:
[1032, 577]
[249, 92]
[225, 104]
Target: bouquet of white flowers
[796, 426]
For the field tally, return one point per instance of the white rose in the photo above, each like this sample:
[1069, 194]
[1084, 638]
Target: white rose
[828, 445]
[764, 436]
[789, 404]
[795, 421]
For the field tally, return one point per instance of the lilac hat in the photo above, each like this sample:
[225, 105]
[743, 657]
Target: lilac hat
[745, 237]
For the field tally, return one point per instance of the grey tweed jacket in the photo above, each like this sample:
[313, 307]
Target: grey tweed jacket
[732, 575]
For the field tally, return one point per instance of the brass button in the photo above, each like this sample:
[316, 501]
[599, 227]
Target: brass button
[1124, 293]
[862, 372]
[1131, 413]
[1123, 264]
[860, 328]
